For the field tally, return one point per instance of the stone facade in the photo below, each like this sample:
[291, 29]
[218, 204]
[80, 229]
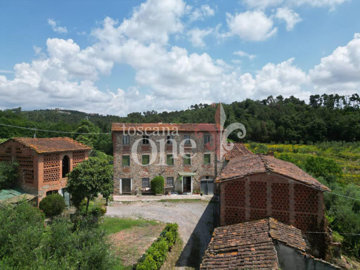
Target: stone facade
[197, 170]
[41, 173]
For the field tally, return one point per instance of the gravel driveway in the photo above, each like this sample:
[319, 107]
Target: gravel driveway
[195, 220]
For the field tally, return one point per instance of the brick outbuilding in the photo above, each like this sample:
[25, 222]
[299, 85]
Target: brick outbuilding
[43, 162]
[258, 186]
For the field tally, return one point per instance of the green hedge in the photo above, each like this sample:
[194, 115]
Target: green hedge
[156, 254]
[52, 205]
[157, 185]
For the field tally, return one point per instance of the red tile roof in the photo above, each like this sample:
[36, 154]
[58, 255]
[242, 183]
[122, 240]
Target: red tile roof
[164, 127]
[239, 149]
[51, 145]
[250, 245]
[245, 165]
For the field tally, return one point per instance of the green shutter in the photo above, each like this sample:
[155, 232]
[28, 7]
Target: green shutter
[126, 160]
[169, 160]
[207, 158]
[145, 159]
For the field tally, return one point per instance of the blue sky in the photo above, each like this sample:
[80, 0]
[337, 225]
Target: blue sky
[116, 57]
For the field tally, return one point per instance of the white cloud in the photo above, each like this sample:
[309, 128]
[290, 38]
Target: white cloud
[318, 3]
[340, 70]
[6, 71]
[262, 4]
[251, 25]
[154, 20]
[245, 54]
[197, 36]
[56, 28]
[289, 16]
[201, 13]
[167, 77]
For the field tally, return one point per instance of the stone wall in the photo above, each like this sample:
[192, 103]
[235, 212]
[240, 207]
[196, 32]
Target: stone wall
[158, 165]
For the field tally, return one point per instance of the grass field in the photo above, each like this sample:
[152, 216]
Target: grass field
[346, 155]
[113, 225]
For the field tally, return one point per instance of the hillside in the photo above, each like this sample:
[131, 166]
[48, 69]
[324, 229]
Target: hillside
[280, 120]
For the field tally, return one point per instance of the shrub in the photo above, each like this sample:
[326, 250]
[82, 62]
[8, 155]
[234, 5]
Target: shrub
[157, 184]
[52, 205]
[156, 254]
[319, 166]
[8, 174]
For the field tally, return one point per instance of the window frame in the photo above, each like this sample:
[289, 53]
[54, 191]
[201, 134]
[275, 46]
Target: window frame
[187, 139]
[126, 139]
[122, 160]
[172, 181]
[171, 156]
[142, 159]
[207, 138]
[207, 155]
[148, 182]
[187, 160]
[145, 140]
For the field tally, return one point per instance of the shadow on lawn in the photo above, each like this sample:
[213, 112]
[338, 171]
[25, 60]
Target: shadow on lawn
[195, 247]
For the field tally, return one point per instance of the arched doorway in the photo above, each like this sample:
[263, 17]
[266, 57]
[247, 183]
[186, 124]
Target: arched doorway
[65, 166]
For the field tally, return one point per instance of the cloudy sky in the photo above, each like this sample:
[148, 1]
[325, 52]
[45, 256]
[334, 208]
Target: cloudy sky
[121, 56]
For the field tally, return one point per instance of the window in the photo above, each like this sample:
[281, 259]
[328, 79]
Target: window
[187, 159]
[170, 181]
[145, 139]
[187, 139]
[169, 139]
[145, 182]
[207, 159]
[65, 166]
[145, 159]
[207, 138]
[169, 160]
[126, 161]
[126, 139]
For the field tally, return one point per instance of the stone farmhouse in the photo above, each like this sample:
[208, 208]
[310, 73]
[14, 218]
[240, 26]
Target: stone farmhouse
[43, 162]
[186, 155]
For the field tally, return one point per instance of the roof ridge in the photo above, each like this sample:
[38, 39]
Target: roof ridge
[264, 161]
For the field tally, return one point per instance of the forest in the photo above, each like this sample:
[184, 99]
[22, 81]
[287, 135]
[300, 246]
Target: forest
[275, 119]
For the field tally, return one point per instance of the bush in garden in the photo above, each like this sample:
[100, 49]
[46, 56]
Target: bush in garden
[157, 184]
[156, 254]
[52, 205]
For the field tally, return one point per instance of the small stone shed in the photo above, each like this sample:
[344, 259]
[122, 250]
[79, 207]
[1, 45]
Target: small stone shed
[43, 162]
[261, 244]
[258, 186]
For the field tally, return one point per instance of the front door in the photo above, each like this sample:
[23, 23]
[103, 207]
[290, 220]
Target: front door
[187, 184]
[126, 185]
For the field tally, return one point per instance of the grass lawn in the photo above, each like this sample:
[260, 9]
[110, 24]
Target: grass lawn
[130, 238]
[114, 225]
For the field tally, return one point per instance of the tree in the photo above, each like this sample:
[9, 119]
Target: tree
[52, 205]
[90, 178]
[8, 174]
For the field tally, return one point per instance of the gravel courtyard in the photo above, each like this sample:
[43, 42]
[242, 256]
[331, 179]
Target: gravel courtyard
[195, 220]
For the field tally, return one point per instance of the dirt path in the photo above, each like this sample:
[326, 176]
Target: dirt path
[195, 220]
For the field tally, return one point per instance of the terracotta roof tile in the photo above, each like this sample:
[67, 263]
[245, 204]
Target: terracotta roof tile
[239, 149]
[250, 245]
[245, 165]
[164, 127]
[51, 145]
